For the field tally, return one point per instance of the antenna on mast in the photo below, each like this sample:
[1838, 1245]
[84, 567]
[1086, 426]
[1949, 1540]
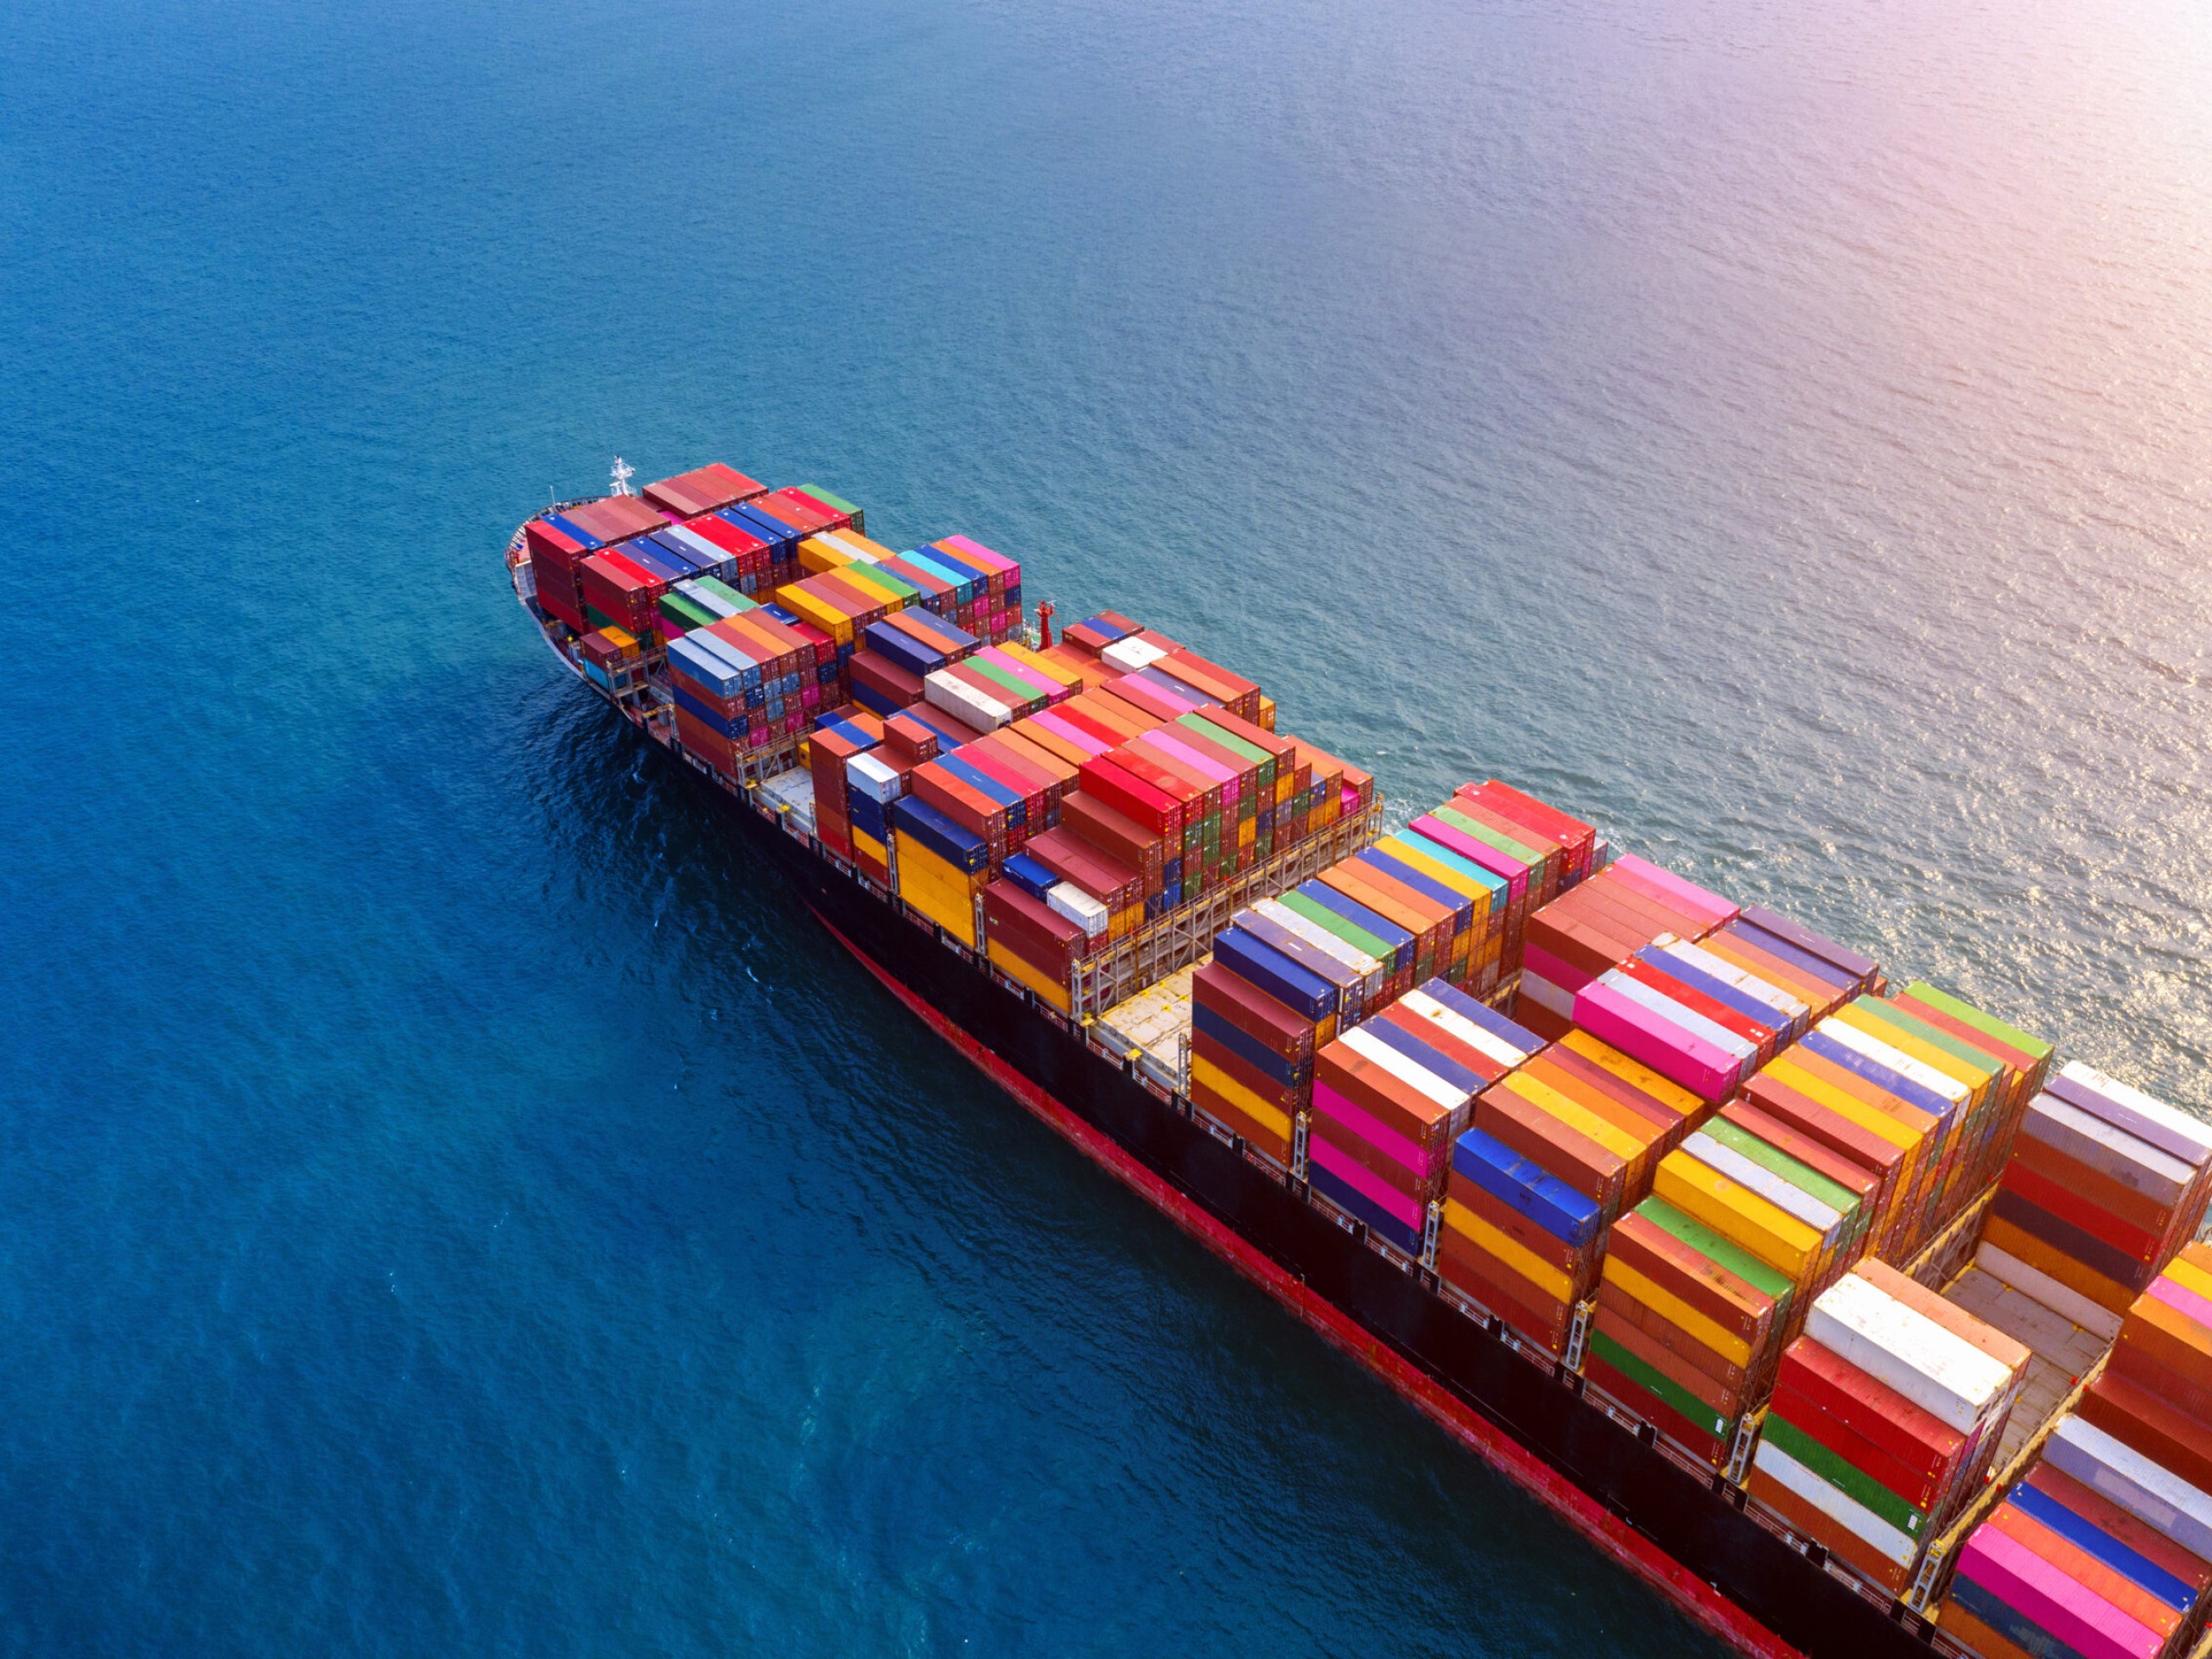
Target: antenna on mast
[622, 474]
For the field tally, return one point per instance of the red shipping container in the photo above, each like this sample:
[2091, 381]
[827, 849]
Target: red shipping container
[1110, 783]
[703, 489]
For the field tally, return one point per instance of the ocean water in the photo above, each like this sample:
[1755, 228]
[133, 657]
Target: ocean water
[448, 1205]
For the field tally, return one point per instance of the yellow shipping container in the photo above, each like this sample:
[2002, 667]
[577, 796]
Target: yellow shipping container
[1739, 1215]
[1554, 1282]
[818, 610]
[864, 577]
[1261, 1112]
[1723, 1342]
[817, 555]
[1029, 973]
[1599, 1053]
[1029, 659]
[935, 888]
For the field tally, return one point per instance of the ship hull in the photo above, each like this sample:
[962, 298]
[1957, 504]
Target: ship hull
[1682, 1532]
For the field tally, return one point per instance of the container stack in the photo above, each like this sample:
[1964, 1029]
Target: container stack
[1578, 839]
[612, 659]
[2155, 1394]
[619, 593]
[1692, 1015]
[1489, 892]
[2103, 1547]
[1725, 1162]
[1036, 929]
[714, 686]
[999, 611]
[1556, 1148]
[873, 782]
[554, 551]
[970, 798]
[836, 742]
[2064, 1566]
[2104, 1185]
[1328, 905]
[1251, 1055]
[1516, 1240]
[942, 866]
[1812, 966]
[1266, 1004]
[701, 491]
[697, 603]
[2025, 1058]
[1864, 1059]
[1696, 1317]
[1885, 1415]
[1984, 1117]
[1598, 924]
[745, 543]
[1387, 1104]
[1772, 1227]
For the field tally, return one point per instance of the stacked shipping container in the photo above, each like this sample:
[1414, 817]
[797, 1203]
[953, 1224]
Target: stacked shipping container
[2103, 1184]
[2102, 1549]
[1884, 1420]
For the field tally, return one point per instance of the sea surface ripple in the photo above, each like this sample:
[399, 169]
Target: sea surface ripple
[453, 1206]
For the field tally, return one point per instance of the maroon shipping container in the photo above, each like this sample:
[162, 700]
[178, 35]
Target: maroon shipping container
[703, 489]
[617, 589]
[1036, 932]
[1114, 884]
[1119, 837]
[1281, 1031]
[1287, 1098]
[615, 518]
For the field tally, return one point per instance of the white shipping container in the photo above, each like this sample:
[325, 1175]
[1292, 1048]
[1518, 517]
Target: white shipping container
[1412, 1073]
[962, 701]
[1899, 1061]
[1941, 1373]
[1421, 1004]
[1840, 1506]
[1131, 654]
[1546, 995]
[1080, 907]
[867, 776]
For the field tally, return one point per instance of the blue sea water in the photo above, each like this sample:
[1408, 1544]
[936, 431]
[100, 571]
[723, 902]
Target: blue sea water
[450, 1205]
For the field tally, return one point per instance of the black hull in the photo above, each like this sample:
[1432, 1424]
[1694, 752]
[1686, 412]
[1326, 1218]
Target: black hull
[1682, 1530]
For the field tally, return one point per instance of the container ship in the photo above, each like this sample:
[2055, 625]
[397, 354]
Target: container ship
[1848, 1315]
